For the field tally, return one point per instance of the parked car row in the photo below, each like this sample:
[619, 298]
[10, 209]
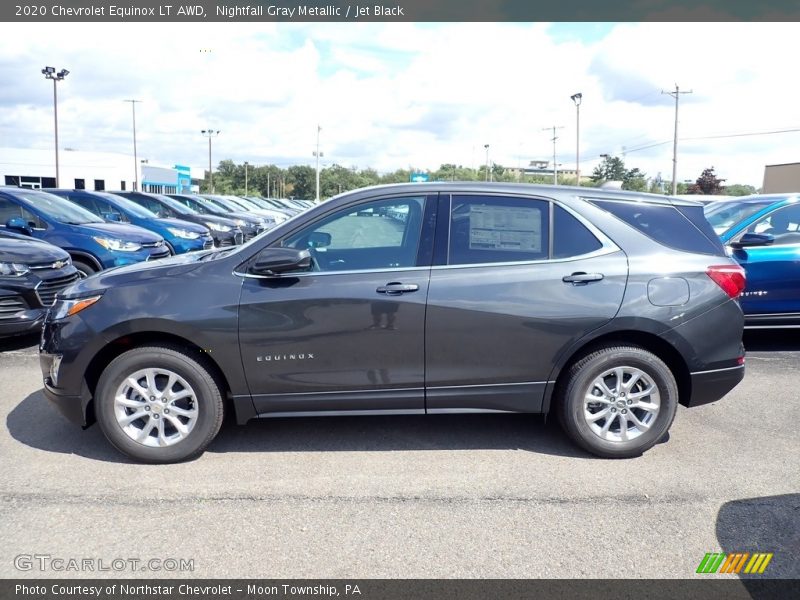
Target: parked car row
[51, 238]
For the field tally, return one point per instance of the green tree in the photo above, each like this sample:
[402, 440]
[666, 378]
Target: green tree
[301, 182]
[738, 189]
[611, 169]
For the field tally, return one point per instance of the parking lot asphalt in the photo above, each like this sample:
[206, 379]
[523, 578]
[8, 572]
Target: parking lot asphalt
[421, 497]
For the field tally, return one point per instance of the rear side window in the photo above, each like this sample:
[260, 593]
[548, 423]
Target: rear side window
[664, 224]
[492, 229]
[570, 236]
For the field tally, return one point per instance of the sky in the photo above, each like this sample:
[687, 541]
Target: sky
[400, 95]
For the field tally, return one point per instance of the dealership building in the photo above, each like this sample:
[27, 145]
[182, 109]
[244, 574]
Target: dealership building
[35, 168]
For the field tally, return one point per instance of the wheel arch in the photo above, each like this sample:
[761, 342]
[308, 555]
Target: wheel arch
[82, 256]
[649, 341]
[123, 343]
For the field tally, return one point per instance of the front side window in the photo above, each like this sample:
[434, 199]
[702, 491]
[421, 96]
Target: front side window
[783, 224]
[492, 229]
[382, 234]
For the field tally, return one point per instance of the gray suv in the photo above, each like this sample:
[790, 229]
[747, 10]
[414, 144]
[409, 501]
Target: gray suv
[608, 308]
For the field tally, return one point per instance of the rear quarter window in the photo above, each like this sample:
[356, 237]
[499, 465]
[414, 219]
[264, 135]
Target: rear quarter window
[666, 224]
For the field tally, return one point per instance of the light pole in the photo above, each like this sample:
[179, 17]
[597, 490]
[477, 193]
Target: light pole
[50, 73]
[318, 154]
[135, 160]
[576, 98]
[487, 162]
[209, 133]
[245, 178]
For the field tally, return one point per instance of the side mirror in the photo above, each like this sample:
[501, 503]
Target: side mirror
[274, 261]
[753, 239]
[19, 224]
[319, 239]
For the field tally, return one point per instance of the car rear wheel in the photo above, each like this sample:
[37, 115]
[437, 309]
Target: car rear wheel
[158, 405]
[618, 402]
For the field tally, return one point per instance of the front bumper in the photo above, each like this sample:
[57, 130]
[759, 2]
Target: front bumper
[710, 386]
[73, 407]
[25, 321]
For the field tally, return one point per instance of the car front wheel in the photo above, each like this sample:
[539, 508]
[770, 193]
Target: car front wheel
[618, 402]
[158, 404]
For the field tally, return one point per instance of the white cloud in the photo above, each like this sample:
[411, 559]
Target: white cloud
[395, 95]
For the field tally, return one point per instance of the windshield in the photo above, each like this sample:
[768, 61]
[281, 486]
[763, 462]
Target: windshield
[58, 208]
[725, 214]
[174, 205]
[222, 203]
[128, 206]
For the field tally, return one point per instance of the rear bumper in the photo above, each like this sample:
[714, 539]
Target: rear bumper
[710, 386]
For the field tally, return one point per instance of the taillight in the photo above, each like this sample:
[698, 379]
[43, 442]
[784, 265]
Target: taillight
[729, 277]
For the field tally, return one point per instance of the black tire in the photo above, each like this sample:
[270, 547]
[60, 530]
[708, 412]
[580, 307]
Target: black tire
[84, 268]
[209, 403]
[578, 381]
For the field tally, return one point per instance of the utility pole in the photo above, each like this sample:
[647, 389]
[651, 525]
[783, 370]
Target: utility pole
[245, 178]
[676, 94]
[318, 154]
[488, 171]
[135, 158]
[555, 165]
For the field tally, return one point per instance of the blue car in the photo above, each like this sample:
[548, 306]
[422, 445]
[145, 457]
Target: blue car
[92, 244]
[180, 236]
[762, 233]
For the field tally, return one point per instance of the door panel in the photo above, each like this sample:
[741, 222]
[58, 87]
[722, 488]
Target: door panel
[773, 279]
[325, 341]
[496, 331]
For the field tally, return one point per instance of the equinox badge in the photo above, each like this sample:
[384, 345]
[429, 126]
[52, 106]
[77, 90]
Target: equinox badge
[276, 357]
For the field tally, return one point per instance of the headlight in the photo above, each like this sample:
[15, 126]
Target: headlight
[13, 269]
[218, 227]
[183, 233]
[241, 222]
[67, 308]
[119, 245]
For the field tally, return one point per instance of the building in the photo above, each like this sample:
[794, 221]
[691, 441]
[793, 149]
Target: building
[542, 168]
[782, 178]
[35, 168]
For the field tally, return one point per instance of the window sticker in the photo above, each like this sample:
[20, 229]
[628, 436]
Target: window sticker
[505, 228]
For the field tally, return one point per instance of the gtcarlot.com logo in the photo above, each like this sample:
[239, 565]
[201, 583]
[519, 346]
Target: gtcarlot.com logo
[48, 562]
[735, 562]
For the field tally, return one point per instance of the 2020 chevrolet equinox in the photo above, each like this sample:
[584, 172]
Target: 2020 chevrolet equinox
[608, 308]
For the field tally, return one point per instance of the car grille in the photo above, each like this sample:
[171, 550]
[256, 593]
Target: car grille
[163, 253]
[46, 291]
[249, 236]
[157, 244]
[226, 242]
[239, 238]
[11, 305]
[208, 244]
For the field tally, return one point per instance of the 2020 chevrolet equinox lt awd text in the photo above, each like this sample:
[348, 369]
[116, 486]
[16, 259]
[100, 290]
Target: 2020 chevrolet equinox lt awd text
[608, 308]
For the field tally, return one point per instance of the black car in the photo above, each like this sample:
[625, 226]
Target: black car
[224, 231]
[250, 225]
[607, 308]
[31, 274]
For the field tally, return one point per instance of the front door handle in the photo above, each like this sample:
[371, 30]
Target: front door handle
[395, 288]
[582, 278]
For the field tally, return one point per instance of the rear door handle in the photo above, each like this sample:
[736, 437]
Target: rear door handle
[396, 288]
[581, 278]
